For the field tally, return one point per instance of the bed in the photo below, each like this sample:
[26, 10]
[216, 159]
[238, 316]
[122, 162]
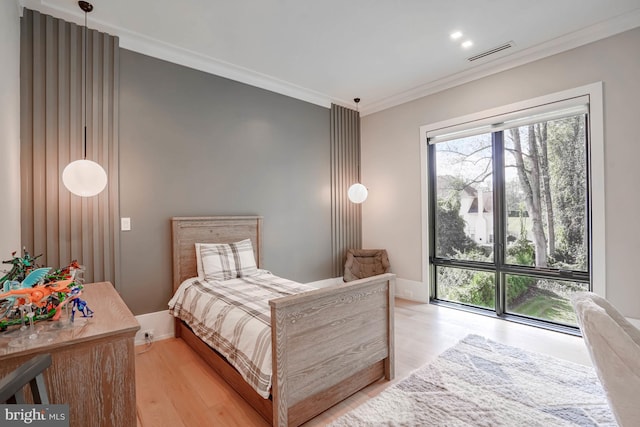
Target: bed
[327, 343]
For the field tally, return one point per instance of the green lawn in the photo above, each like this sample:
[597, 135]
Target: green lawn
[545, 305]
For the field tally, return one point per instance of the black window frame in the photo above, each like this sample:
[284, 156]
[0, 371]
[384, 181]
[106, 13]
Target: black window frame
[500, 217]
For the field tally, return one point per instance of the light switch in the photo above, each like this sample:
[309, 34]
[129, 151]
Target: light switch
[125, 224]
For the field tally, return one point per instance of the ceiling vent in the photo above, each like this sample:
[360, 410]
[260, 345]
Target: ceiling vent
[495, 50]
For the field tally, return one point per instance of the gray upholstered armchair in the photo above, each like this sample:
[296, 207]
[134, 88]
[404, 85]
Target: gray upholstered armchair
[614, 347]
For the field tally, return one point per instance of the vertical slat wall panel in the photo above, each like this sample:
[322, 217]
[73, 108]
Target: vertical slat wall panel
[56, 223]
[26, 132]
[346, 228]
[112, 155]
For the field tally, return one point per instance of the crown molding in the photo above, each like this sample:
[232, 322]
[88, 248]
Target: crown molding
[569, 41]
[153, 47]
[140, 43]
[158, 49]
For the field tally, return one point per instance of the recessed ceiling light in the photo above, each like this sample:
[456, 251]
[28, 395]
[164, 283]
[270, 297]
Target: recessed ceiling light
[456, 35]
[467, 44]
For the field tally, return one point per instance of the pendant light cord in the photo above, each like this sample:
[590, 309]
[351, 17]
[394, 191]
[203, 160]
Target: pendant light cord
[86, 8]
[357, 101]
[84, 150]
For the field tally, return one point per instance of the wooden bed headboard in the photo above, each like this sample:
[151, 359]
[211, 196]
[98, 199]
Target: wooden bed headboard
[187, 231]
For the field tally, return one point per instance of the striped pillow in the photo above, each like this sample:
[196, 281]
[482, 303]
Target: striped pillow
[199, 261]
[218, 262]
[244, 258]
[223, 261]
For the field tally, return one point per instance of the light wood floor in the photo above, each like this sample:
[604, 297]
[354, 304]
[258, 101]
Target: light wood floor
[176, 388]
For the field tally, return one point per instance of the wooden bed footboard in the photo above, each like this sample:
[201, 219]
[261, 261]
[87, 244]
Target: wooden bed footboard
[328, 344]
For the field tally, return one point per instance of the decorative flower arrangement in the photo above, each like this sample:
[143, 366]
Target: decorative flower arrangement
[29, 293]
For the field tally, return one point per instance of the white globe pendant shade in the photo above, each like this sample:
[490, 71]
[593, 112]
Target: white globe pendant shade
[84, 178]
[357, 193]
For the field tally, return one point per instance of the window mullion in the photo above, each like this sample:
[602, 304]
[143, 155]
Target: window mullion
[589, 224]
[431, 245]
[499, 220]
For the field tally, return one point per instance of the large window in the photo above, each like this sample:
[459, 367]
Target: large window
[509, 212]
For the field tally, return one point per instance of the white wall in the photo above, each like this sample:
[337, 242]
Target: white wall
[9, 128]
[391, 157]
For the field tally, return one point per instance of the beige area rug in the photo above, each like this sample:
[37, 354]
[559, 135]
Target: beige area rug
[479, 383]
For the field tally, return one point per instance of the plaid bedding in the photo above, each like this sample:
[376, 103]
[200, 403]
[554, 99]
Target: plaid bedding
[233, 317]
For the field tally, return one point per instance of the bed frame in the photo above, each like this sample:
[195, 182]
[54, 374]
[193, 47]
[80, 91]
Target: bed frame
[327, 343]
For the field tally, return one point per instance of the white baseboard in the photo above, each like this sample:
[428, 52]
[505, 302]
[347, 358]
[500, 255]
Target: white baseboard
[417, 291]
[160, 323]
[325, 283]
[406, 289]
[412, 290]
[634, 322]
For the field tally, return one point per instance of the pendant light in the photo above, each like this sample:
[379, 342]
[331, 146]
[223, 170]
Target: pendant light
[357, 193]
[84, 177]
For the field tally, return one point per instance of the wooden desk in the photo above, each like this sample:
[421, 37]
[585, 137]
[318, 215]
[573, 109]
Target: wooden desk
[93, 366]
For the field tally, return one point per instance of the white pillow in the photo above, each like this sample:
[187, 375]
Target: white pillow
[222, 261]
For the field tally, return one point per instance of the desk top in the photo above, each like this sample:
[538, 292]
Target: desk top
[111, 317]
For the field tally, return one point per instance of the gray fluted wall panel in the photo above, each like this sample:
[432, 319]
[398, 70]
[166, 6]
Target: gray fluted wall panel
[345, 159]
[56, 223]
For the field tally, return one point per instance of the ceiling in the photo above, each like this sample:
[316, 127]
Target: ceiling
[384, 51]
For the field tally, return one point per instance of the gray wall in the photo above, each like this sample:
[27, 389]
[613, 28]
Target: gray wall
[196, 144]
[391, 155]
[9, 128]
